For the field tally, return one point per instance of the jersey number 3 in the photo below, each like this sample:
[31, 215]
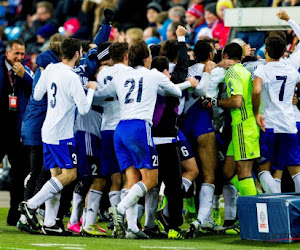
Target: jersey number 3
[140, 90]
[53, 99]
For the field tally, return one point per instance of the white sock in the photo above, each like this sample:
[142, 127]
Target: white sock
[278, 182]
[92, 206]
[141, 210]
[131, 216]
[205, 198]
[186, 183]
[230, 199]
[151, 202]
[83, 217]
[216, 202]
[50, 188]
[268, 183]
[76, 205]
[296, 179]
[23, 219]
[123, 193]
[114, 198]
[51, 210]
[137, 191]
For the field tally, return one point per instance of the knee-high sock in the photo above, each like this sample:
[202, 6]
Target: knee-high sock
[151, 203]
[296, 179]
[137, 191]
[51, 210]
[114, 197]
[247, 187]
[83, 216]
[131, 216]
[278, 183]
[216, 202]
[50, 188]
[186, 183]
[268, 183]
[92, 206]
[230, 199]
[205, 198]
[123, 193]
[76, 208]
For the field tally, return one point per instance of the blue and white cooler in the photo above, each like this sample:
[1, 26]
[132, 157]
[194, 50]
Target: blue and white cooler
[270, 217]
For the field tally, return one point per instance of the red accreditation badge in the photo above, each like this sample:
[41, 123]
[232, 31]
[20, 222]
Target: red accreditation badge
[13, 102]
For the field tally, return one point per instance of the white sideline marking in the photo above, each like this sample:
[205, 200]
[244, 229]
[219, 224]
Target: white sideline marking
[15, 248]
[159, 247]
[73, 248]
[58, 245]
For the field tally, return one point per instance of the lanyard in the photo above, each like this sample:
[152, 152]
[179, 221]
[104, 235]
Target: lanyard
[12, 82]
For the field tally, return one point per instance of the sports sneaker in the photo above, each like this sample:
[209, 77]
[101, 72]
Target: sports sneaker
[216, 216]
[154, 233]
[175, 235]
[26, 228]
[74, 227]
[193, 230]
[30, 215]
[234, 229]
[139, 235]
[211, 225]
[40, 215]
[94, 230]
[118, 221]
[162, 221]
[55, 230]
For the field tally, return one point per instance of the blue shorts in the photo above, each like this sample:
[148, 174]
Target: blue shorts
[109, 162]
[62, 155]
[185, 149]
[134, 145]
[298, 128]
[281, 149]
[197, 121]
[88, 150]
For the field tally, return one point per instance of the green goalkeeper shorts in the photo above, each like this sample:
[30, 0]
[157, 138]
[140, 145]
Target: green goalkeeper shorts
[245, 141]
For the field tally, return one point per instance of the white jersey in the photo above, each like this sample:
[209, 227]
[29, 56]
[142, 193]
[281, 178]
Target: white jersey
[191, 97]
[64, 92]
[137, 92]
[278, 87]
[111, 105]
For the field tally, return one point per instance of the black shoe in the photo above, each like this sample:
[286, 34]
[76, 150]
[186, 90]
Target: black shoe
[109, 16]
[30, 215]
[162, 220]
[55, 230]
[154, 233]
[26, 228]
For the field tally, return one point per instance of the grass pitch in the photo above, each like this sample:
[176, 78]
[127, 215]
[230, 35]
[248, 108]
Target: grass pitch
[12, 238]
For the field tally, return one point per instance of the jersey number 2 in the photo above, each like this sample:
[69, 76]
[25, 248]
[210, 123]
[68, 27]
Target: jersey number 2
[140, 90]
[53, 100]
[281, 93]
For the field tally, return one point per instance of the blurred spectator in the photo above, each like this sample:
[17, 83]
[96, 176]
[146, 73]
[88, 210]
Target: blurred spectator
[250, 35]
[71, 27]
[134, 35]
[220, 32]
[151, 36]
[15, 88]
[2, 46]
[177, 14]
[195, 19]
[44, 34]
[153, 9]
[171, 32]
[211, 18]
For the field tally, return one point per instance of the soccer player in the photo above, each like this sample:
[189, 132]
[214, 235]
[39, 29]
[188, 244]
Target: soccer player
[64, 92]
[273, 91]
[137, 90]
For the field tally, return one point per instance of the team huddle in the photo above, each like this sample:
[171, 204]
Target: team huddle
[149, 119]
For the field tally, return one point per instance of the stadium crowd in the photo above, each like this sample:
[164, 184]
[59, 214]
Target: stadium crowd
[103, 101]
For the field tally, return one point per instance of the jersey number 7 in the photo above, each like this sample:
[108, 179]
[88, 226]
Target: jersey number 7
[281, 93]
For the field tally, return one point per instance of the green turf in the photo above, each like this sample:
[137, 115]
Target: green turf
[11, 238]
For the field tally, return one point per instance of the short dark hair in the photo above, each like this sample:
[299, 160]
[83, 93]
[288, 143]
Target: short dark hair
[278, 33]
[275, 46]
[202, 50]
[85, 45]
[174, 25]
[12, 42]
[234, 51]
[118, 51]
[137, 53]
[160, 63]
[69, 47]
[169, 49]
